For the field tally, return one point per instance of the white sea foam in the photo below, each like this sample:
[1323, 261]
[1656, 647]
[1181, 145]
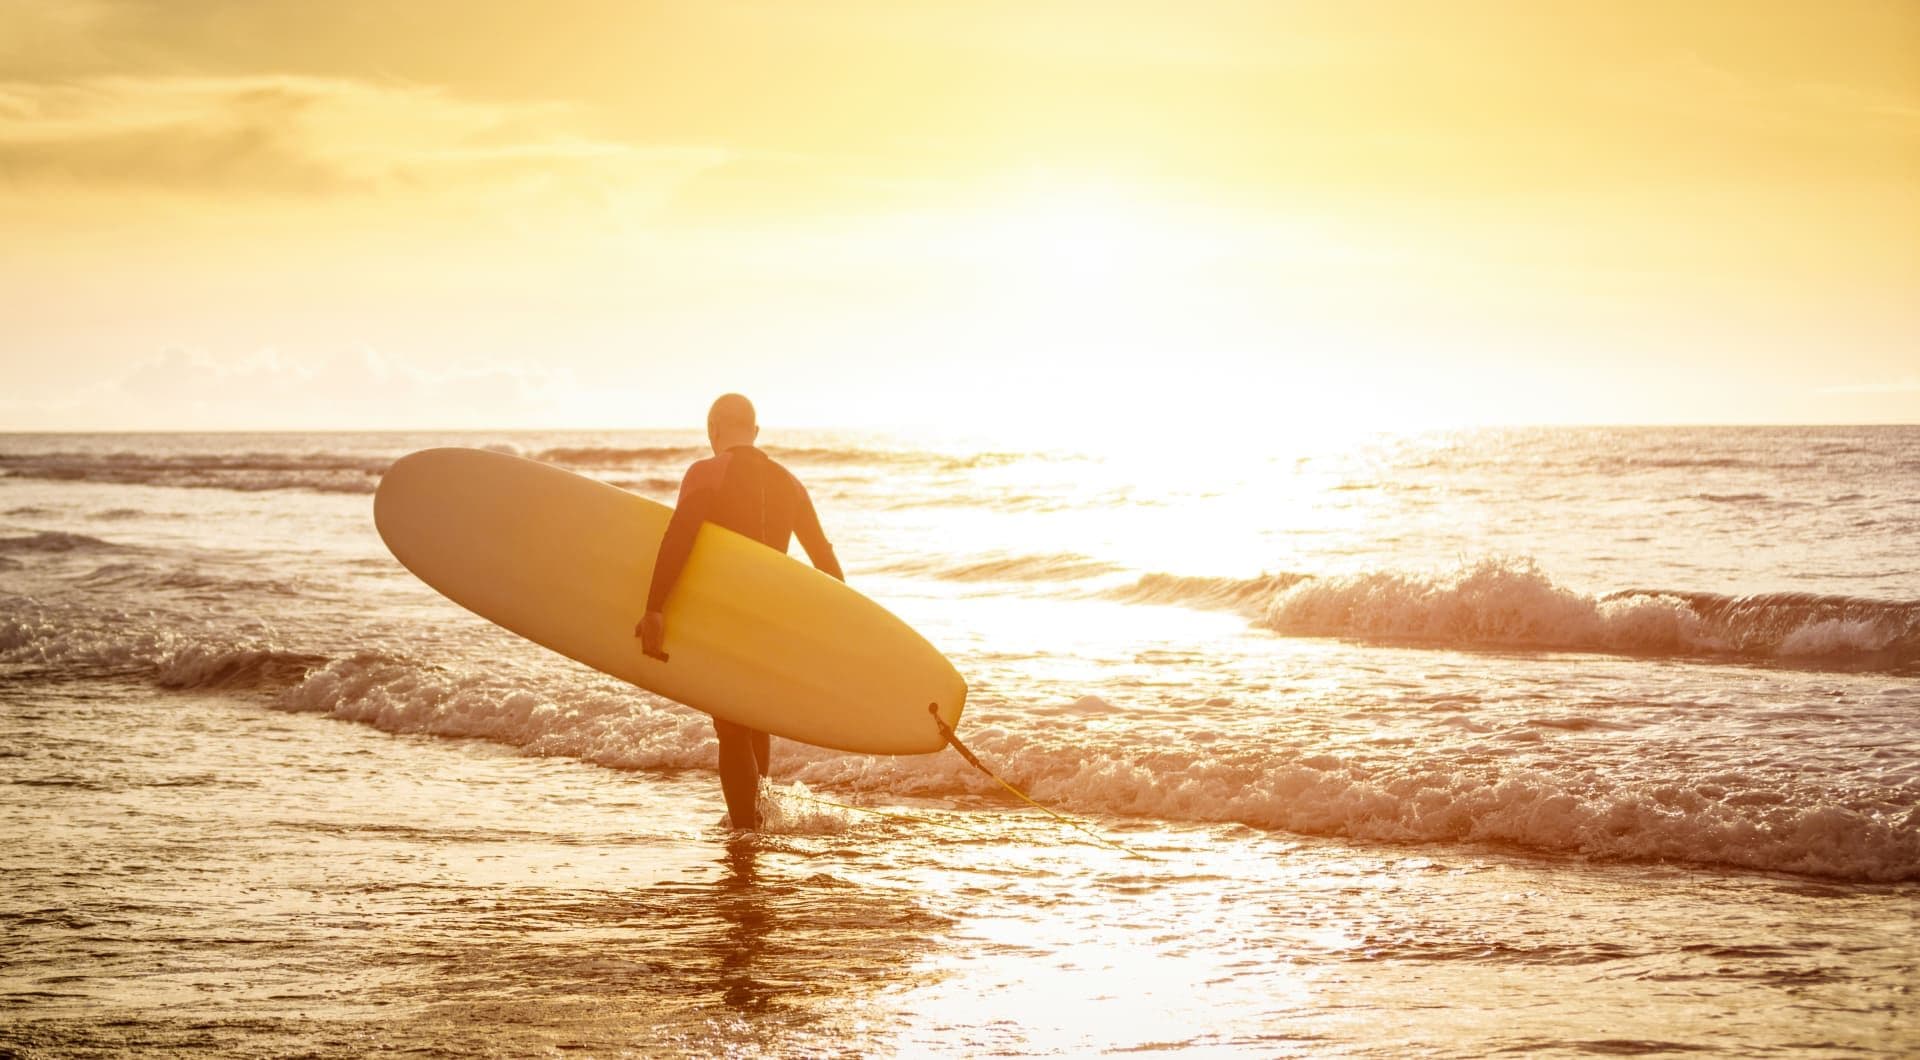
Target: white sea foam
[602, 725]
[795, 809]
[1790, 827]
[1490, 603]
[1802, 829]
[128, 577]
[125, 645]
[1756, 821]
[1512, 603]
[1836, 636]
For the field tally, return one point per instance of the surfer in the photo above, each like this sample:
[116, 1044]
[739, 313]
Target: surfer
[746, 491]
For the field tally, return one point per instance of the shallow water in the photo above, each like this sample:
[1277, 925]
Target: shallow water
[264, 883]
[1410, 779]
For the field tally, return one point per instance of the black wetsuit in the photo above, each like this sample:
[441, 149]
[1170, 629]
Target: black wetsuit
[747, 492]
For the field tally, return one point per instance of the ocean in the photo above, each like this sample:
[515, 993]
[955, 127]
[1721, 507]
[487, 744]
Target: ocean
[1561, 741]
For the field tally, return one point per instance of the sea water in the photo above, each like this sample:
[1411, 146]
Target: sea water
[1555, 740]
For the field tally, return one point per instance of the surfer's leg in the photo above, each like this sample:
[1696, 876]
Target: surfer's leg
[762, 750]
[739, 777]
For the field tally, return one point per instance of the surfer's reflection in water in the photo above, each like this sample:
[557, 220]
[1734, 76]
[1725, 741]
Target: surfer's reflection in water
[746, 491]
[749, 921]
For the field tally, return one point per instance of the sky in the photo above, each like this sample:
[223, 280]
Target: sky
[1213, 218]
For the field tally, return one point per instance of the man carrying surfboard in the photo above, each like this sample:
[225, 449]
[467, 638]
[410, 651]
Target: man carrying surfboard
[746, 491]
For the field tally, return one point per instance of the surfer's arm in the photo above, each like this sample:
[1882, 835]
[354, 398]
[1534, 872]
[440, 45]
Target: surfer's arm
[675, 546]
[806, 527]
[677, 543]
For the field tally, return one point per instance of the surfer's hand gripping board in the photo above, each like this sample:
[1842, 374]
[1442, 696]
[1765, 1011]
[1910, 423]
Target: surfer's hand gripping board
[652, 631]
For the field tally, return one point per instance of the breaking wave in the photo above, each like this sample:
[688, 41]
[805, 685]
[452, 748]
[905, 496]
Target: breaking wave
[1511, 603]
[242, 472]
[124, 577]
[1235, 594]
[1772, 824]
[1739, 822]
[46, 644]
[359, 472]
[611, 458]
[618, 458]
[1051, 567]
[1786, 824]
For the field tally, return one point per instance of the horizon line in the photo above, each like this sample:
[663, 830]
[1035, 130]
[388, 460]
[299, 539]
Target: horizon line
[694, 428]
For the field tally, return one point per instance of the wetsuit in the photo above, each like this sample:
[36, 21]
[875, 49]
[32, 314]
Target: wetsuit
[749, 493]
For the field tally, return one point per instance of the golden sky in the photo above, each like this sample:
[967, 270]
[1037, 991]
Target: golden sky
[980, 216]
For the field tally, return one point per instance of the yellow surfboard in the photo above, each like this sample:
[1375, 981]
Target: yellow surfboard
[753, 636]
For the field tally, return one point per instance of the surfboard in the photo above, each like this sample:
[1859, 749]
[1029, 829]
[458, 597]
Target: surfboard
[753, 636]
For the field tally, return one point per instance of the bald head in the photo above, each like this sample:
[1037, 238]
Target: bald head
[731, 422]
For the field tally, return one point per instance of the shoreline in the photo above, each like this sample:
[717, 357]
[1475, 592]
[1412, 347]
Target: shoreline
[418, 892]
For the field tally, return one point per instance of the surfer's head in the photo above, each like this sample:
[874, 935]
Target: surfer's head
[731, 422]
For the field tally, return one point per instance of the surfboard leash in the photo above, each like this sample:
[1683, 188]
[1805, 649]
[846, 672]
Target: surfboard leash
[953, 741]
[894, 814]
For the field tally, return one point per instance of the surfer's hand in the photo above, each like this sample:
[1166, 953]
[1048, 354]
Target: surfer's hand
[652, 631]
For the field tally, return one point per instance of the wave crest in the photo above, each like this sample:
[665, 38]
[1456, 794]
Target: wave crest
[1773, 822]
[1504, 603]
[55, 541]
[243, 472]
[1772, 826]
[359, 472]
[1800, 829]
[1050, 567]
[110, 646]
[1237, 594]
[606, 724]
[599, 457]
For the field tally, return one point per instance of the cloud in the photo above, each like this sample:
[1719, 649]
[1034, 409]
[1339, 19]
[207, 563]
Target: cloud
[1814, 126]
[41, 37]
[300, 141]
[201, 137]
[306, 136]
